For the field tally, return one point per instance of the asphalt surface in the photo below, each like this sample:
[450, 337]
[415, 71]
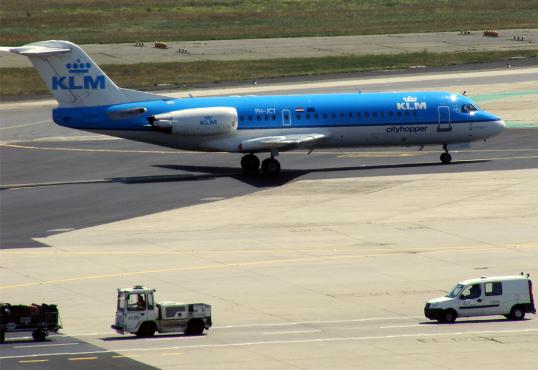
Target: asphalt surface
[104, 181]
[55, 180]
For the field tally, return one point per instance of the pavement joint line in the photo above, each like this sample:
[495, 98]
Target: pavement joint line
[246, 344]
[11, 144]
[292, 332]
[236, 265]
[24, 125]
[47, 345]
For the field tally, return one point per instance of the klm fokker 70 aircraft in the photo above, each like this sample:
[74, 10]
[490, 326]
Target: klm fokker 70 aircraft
[89, 100]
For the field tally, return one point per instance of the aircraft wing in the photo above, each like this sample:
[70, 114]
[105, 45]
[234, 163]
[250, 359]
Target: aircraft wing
[282, 142]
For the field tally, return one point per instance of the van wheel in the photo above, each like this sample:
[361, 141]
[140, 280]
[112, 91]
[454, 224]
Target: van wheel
[39, 335]
[517, 313]
[2, 337]
[449, 316]
[195, 327]
[146, 330]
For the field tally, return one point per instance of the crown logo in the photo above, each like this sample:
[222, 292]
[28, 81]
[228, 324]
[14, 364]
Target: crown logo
[410, 99]
[78, 67]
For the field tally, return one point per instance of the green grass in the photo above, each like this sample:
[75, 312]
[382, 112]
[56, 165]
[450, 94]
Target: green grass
[146, 76]
[105, 21]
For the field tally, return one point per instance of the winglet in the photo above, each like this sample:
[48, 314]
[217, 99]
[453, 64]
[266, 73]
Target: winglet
[34, 50]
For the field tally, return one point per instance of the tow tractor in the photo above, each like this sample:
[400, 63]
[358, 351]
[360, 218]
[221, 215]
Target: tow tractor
[39, 319]
[138, 313]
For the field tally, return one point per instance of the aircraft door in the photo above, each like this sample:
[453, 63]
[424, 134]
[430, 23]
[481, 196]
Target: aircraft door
[286, 117]
[444, 119]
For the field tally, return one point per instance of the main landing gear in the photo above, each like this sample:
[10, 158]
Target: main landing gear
[446, 158]
[270, 166]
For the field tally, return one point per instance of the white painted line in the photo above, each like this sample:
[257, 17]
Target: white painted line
[60, 230]
[405, 326]
[292, 332]
[244, 344]
[212, 198]
[47, 345]
[321, 322]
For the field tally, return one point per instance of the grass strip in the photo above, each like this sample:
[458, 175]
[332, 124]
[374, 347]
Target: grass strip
[108, 22]
[177, 75]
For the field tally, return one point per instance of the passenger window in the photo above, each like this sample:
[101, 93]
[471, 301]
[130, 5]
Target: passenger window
[359, 114]
[374, 114]
[307, 116]
[333, 115]
[366, 115]
[399, 114]
[391, 113]
[298, 116]
[324, 115]
[250, 118]
[493, 289]
[315, 115]
[350, 114]
[382, 114]
[266, 117]
[406, 112]
[273, 117]
[242, 118]
[341, 114]
[471, 292]
[150, 301]
[258, 118]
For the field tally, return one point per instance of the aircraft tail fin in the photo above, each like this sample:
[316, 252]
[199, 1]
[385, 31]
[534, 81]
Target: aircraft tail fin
[73, 78]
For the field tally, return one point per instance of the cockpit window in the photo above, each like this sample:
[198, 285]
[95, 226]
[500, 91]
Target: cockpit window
[467, 108]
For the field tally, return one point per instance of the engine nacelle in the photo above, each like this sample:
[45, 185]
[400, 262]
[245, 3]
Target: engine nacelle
[197, 121]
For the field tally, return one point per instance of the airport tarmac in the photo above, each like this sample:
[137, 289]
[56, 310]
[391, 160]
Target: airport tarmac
[327, 267]
[301, 47]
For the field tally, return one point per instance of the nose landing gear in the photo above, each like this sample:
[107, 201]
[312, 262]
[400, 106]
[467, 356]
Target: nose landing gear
[446, 158]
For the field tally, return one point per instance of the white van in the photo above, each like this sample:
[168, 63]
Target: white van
[510, 296]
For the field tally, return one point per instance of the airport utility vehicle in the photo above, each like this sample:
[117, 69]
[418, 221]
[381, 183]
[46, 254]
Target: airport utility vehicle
[511, 296]
[39, 319]
[138, 313]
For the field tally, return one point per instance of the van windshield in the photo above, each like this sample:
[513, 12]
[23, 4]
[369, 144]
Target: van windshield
[456, 291]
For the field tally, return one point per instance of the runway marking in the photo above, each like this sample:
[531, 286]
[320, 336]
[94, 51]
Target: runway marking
[47, 345]
[172, 354]
[32, 361]
[292, 332]
[403, 326]
[388, 318]
[60, 230]
[236, 265]
[258, 343]
[124, 356]
[24, 125]
[82, 358]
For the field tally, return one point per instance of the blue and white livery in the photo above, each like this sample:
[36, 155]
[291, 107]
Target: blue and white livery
[89, 100]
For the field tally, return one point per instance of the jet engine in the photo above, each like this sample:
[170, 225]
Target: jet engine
[196, 121]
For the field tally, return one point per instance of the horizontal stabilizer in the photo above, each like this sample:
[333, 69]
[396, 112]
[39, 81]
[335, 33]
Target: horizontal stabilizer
[34, 50]
[283, 142]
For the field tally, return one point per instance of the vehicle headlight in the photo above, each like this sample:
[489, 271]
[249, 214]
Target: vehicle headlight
[434, 305]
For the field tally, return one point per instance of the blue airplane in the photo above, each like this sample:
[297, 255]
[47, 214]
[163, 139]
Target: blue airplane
[89, 100]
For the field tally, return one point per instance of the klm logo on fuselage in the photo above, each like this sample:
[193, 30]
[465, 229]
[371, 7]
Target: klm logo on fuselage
[78, 78]
[410, 103]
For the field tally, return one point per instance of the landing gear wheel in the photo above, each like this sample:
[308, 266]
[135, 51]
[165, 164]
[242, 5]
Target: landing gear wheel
[39, 335]
[517, 313]
[446, 158]
[250, 163]
[270, 167]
